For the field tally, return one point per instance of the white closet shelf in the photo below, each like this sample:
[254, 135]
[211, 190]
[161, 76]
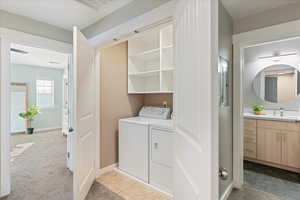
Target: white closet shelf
[148, 53]
[168, 47]
[146, 73]
[167, 69]
[149, 92]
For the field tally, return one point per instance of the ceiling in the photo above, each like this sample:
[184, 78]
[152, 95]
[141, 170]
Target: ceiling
[242, 8]
[277, 47]
[38, 57]
[63, 13]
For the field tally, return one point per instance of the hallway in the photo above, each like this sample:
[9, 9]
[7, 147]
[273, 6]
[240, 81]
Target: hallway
[38, 167]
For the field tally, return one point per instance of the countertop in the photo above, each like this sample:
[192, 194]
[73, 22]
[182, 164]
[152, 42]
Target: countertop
[273, 117]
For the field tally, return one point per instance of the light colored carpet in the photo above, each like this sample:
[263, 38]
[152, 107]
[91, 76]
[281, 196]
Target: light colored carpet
[38, 167]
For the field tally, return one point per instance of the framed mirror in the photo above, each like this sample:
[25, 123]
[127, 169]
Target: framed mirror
[277, 83]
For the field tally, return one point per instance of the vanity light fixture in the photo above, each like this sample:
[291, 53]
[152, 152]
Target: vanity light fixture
[53, 62]
[276, 57]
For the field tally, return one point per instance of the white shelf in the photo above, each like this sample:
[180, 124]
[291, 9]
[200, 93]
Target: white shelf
[145, 53]
[150, 61]
[146, 73]
[168, 47]
[149, 92]
[167, 69]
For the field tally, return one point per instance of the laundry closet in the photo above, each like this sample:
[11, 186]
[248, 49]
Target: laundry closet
[137, 104]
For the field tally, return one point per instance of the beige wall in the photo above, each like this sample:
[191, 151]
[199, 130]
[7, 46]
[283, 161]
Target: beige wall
[268, 18]
[158, 99]
[116, 103]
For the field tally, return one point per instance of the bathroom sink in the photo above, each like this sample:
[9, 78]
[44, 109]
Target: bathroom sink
[272, 117]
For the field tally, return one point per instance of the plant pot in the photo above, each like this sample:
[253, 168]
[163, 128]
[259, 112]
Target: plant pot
[260, 112]
[30, 131]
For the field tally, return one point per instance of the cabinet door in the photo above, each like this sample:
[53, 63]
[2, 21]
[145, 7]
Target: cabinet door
[269, 145]
[291, 148]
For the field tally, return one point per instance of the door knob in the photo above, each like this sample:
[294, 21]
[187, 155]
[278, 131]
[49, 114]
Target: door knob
[223, 173]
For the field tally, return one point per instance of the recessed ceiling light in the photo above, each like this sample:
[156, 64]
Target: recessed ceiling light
[53, 62]
[18, 51]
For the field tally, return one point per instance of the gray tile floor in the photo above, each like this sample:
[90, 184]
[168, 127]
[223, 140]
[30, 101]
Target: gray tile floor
[282, 183]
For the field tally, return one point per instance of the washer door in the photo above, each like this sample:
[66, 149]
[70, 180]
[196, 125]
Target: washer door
[133, 149]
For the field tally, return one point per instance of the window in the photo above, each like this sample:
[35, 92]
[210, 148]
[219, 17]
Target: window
[45, 93]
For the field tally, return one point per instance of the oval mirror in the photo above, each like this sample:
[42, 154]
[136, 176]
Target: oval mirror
[277, 83]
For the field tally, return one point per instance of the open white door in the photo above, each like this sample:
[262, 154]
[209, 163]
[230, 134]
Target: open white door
[84, 112]
[196, 104]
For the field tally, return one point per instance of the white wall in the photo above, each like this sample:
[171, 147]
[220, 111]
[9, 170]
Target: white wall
[122, 15]
[27, 25]
[49, 118]
[271, 17]
[225, 113]
[252, 68]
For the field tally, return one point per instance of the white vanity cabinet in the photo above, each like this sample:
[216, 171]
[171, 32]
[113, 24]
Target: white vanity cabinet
[161, 158]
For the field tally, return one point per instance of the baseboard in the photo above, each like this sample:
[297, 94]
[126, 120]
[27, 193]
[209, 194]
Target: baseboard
[106, 169]
[47, 129]
[227, 192]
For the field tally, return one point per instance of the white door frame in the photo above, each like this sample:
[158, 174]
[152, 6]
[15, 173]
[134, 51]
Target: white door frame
[7, 37]
[240, 42]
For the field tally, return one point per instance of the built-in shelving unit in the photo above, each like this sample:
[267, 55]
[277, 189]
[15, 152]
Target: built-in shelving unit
[150, 61]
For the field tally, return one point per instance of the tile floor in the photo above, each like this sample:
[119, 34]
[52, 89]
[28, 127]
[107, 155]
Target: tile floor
[282, 183]
[129, 189]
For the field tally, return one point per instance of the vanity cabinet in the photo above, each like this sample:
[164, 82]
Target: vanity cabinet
[275, 143]
[269, 145]
[291, 148]
[250, 138]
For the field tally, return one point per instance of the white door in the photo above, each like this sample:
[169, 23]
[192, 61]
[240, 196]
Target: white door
[196, 104]
[84, 112]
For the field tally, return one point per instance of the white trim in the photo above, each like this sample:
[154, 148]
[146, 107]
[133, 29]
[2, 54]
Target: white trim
[142, 182]
[104, 170]
[98, 107]
[227, 192]
[8, 37]
[241, 41]
[160, 13]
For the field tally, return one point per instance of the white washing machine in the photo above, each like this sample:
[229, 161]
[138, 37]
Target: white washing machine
[134, 140]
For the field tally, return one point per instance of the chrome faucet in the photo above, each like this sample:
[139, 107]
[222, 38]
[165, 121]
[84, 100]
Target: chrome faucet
[281, 110]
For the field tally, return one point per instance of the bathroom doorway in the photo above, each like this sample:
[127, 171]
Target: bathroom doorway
[269, 129]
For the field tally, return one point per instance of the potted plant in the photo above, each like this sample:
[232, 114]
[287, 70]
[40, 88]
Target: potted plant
[258, 109]
[29, 115]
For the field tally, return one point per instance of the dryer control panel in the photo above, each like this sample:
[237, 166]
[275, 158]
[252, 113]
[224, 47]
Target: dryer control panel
[155, 112]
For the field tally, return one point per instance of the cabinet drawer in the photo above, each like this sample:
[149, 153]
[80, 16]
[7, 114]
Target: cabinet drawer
[161, 147]
[250, 150]
[250, 124]
[279, 125]
[250, 139]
